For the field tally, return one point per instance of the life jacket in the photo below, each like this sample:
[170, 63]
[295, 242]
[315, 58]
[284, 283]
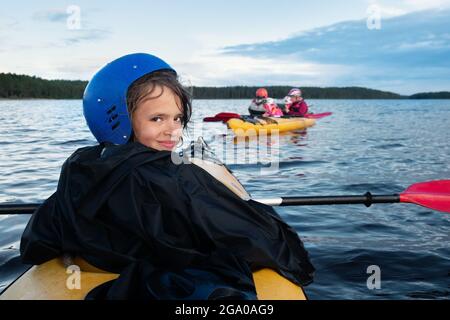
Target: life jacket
[272, 109]
[298, 109]
[257, 105]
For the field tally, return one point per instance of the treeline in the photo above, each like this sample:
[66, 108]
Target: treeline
[431, 95]
[15, 86]
[278, 92]
[20, 86]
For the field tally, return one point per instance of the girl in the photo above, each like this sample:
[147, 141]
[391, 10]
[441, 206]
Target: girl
[295, 104]
[272, 109]
[170, 230]
[256, 107]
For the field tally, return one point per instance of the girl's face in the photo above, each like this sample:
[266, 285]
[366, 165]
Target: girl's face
[295, 98]
[156, 120]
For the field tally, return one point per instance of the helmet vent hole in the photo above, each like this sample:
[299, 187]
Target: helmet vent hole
[111, 109]
[115, 126]
[113, 117]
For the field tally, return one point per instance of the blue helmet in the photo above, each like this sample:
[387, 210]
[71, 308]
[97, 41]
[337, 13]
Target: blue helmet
[105, 97]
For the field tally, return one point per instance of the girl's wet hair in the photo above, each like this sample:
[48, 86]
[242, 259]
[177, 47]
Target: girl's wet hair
[144, 87]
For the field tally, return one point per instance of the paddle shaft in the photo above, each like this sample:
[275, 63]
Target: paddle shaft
[366, 199]
[18, 208]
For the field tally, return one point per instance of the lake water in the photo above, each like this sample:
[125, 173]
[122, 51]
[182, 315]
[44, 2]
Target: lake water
[381, 146]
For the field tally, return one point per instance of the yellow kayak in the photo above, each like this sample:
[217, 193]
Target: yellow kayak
[268, 125]
[52, 280]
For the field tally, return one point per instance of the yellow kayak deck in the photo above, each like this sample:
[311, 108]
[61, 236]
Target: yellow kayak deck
[51, 281]
[268, 126]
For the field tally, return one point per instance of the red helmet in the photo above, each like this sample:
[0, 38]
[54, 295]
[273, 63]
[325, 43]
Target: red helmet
[261, 93]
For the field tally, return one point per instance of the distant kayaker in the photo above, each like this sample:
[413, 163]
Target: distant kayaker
[272, 109]
[125, 206]
[262, 105]
[256, 107]
[295, 105]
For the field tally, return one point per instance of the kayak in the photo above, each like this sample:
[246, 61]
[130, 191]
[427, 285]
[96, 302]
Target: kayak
[225, 116]
[52, 280]
[256, 126]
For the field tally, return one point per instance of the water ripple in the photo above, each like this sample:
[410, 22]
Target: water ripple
[381, 146]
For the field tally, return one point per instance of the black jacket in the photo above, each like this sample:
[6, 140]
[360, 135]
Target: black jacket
[160, 225]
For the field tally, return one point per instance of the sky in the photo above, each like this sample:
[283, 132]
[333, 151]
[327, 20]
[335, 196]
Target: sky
[401, 46]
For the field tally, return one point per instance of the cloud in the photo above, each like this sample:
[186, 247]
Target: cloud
[405, 47]
[402, 37]
[384, 10]
[7, 26]
[407, 6]
[82, 35]
[76, 32]
[80, 69]
[52, 15]
[418, 5]
[218, 70]
[7, 23]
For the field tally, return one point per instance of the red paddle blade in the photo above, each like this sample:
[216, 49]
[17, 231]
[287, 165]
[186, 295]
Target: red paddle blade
[227, 115]
[431, 194]
[318, 115]
[222, 116]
